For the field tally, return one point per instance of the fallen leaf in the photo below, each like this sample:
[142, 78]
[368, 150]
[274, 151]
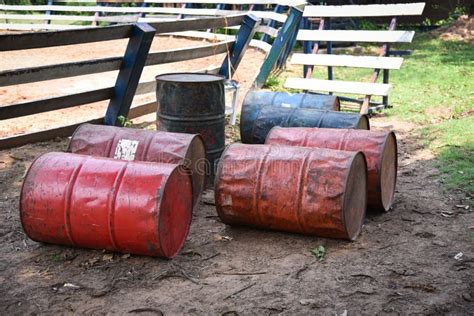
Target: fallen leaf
[108, 257]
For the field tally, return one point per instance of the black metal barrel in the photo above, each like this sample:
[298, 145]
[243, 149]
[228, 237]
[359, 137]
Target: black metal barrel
[256, 123]
[258, 99]
[194, 103]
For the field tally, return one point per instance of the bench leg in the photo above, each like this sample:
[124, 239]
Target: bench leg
[386, 76]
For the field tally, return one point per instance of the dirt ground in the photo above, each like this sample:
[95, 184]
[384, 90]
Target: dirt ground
[461, 29]
[406, 261]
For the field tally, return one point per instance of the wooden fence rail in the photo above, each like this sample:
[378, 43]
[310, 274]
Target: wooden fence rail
[272, 13]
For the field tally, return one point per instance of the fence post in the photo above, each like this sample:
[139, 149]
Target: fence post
[130, 72]
[289, 28]
[242, 40]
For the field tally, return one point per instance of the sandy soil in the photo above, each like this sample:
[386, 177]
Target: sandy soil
[403, 262]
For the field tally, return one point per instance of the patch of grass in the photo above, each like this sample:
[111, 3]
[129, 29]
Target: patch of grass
[435, 90]
[453, 142]
[56, 257]
[319, 252]
[273, 82]
[435, 83]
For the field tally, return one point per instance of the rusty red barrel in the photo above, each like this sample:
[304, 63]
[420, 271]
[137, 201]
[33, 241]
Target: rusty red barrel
[318, 192]
[380, 149]
[143, 145]
[101, 203]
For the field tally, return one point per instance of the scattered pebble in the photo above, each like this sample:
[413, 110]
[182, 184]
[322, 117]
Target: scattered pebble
[458, 257]
[447, 214]
[108, 257]
[307, 301]
[223, 238]
[467, 297]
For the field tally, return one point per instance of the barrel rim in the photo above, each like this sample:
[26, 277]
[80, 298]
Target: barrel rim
[69, 149]
[161, 192]
[366, 118]
[242, 121]
[220, 166]
[218, 77]
[276, 127]
[198, 138]
[338, 104]
[344, 200]
[20, 202]
[379, 180]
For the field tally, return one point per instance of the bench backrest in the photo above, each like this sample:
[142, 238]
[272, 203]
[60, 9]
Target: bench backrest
[383, 61]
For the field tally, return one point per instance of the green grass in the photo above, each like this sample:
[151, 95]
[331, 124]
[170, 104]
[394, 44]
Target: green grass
[453, 142]
[434, 90]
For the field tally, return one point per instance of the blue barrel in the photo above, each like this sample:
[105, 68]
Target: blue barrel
[257, 121]
[292, 100]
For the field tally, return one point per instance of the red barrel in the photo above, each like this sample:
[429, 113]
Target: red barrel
[101, 203]
[319, 192]
[143, 145]
[380, 149]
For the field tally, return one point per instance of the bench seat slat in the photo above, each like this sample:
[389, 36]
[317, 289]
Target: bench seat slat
[347, 61]
[330, 11]
[350, 87]
[356, 36]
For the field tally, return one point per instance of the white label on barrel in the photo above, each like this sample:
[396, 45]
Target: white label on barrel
[126, 149]
[286, 105]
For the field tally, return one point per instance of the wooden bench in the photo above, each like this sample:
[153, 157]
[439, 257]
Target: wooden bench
[384, 61]
[129, 68]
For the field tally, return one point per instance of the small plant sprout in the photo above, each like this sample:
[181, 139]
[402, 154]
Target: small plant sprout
[319, 252]
[124, 121]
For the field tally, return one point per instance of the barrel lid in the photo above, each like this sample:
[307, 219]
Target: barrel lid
[189, 77]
